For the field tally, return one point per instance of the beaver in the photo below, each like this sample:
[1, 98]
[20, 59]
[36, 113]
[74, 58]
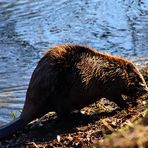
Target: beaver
[69, 77]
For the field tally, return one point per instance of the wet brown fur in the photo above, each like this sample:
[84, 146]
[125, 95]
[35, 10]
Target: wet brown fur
[70, 77]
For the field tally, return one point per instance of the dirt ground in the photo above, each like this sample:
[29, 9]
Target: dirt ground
[98, 125]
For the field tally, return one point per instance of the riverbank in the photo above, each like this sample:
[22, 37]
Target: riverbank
[89, 129]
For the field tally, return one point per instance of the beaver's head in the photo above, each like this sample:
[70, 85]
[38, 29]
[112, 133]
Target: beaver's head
[135, 83]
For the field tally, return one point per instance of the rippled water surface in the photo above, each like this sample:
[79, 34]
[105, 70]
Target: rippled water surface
[29, 27]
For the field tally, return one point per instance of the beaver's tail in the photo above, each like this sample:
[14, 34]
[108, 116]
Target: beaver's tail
[13, 126]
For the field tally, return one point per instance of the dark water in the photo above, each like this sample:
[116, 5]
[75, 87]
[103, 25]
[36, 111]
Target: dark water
[29, 27]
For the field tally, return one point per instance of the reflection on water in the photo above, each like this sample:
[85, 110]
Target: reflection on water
[27, 28]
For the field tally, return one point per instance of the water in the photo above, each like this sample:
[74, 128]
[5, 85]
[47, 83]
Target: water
[29, 27]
